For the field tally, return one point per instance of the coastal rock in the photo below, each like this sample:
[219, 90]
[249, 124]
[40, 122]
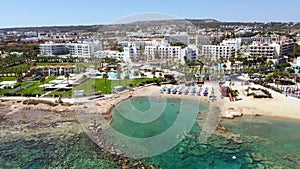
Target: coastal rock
[125, 167]
[181, 150]
[257, 157]
[231, 115]
[260, 166]
[249, 160]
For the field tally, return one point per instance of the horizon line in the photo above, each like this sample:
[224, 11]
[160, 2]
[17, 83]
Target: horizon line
[107, 24]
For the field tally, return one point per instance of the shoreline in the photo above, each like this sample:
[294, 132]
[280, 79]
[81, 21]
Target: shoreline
[278, 107]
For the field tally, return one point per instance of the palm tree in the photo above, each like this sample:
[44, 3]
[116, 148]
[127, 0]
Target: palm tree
[160, 74]
[1, 79]
[67, 75]
[119, 71]
[126, 78]
[153, 72]
[201, 65]
[105, 76]
[43, 79]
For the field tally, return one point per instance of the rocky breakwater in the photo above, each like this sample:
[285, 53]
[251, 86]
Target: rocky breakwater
[95, 118]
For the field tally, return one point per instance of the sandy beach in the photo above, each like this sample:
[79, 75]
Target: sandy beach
[278, 106]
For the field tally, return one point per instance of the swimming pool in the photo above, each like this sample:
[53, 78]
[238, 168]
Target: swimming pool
[115, 75]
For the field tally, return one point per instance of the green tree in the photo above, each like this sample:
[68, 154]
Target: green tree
[105, 76]
[153, 72]
[67, 75]
[42, 80]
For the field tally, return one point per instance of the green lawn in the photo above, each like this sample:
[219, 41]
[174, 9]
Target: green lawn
[33, 90]
[138, 81]
[3, 91]
[7, 79]
[24, 66]
[102, 85]
[62, 93]
[54, 63]
[49, 79]
[90, 86]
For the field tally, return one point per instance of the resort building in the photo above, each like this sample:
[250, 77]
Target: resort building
[80, 49]
[110, 54]
[131, 54]
[236, 43]
[178, 38]
[207, 39]
[298, 61]
[260, 39]
[271, 51]
[53, 49]
[216, 52]
[192, 53]
[286, 46]
[175, 53]
[54, 70]
[140, 43]
[84, 49]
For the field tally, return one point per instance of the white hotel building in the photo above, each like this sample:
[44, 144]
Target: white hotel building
[216, 52]
[110, 54]
[269, 50]
[53, 49]
[85, 49]
[165, 52]
[227, 49]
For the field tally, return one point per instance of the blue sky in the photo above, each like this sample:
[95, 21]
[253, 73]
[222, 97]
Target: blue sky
[81, 12]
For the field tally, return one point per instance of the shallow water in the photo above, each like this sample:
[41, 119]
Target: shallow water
[261, 142]
[257, 142]
[40, 152]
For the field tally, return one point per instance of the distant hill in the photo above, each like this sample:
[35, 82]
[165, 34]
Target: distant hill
[89, 28]
[203, 23]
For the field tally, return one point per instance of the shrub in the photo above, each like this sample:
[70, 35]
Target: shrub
[173, 81]
[36, 102]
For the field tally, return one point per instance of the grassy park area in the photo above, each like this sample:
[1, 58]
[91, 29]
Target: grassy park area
[90, 86]
[31, 90]
[101, 85]
[7, 79]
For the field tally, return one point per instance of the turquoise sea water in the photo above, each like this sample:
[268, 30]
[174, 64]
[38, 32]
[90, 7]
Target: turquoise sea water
[257, 142]
[38, 152]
